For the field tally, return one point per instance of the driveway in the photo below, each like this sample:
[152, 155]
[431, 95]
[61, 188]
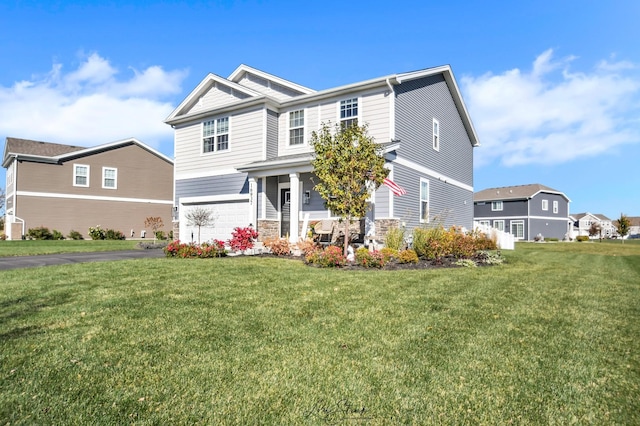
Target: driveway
[16, 262]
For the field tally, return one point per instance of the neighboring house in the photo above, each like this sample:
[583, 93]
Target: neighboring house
[526, 211]
[582, 223]
[634, 229]
[242, 149]
[63, 187]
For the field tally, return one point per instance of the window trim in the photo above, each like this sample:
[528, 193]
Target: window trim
[435, 133]
[352, 118]
[496, 222]
[555, 206]
[421, 200]
[115, 178]
[545, 205]
[215, 135]
[497, 206]
[516, 222]
[75, 175]
[299, 127]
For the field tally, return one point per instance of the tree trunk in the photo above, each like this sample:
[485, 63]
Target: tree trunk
[346, 236]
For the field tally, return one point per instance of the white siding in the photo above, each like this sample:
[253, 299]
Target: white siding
[245, 145]
[216, 96]
[375, 112]
[266, 87]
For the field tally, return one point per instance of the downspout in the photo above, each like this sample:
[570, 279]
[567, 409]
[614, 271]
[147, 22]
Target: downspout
[392, 111]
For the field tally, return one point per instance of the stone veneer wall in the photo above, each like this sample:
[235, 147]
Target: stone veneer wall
[176, 230]
[383, 226]
[268, 229]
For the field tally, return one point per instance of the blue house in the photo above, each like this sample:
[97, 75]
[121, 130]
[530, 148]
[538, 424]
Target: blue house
[242, 149]
[526, 211]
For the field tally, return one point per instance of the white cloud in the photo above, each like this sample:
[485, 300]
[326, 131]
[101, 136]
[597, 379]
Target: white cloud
[552, 115]
[91, 105]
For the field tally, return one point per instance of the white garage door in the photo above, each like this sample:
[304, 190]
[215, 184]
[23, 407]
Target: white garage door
[227, 215]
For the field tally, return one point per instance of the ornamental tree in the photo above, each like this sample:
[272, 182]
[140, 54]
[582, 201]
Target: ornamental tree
[155, 223]
[623, 226]
[596, 229]
[349, 166]
[200, 216]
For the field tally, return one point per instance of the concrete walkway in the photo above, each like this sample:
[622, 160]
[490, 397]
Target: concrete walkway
[16, 262]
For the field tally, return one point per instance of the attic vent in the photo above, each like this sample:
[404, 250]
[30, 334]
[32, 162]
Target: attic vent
[511, 191]
[497, 192]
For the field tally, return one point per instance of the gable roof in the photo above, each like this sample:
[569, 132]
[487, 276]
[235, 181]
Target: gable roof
[578, 216]
[516, 192]
[309, 95]
[48, 152]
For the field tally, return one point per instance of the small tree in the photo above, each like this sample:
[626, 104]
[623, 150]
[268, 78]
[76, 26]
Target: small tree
[349, 165]
[199, 216]
[623, 226]
[155, 223]
[596, 229]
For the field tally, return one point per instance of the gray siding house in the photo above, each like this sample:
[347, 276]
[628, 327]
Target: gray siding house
[526, 211]
[242, 149]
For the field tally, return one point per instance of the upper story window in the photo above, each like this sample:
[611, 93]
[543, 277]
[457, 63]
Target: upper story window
[545, 205]
[109, 178]
[555, 207]
[215, 135]
[424, 200]
[80, 175]
[349, 112]
[496, 206]
[296, 127]
[436, 135]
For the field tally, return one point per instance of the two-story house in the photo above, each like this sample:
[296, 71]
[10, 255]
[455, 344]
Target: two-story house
[526, 211]
[242, 150]
[582, 223]
[63, 187]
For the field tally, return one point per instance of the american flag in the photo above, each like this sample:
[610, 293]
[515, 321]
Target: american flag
[394, 187]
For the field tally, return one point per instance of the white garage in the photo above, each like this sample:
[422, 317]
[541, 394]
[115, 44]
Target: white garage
[226, 215]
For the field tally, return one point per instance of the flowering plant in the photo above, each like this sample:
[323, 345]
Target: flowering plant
[204, 250]
[243, 238]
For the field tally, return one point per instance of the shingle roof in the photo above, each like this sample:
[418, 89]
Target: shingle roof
[579, 216]
[44, 149]
[513, 192]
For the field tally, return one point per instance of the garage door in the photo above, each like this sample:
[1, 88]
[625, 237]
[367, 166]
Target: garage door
[227, 216]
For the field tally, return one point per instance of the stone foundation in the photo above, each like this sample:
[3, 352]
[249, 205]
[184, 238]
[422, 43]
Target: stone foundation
[383, 226]
[268, 228]
[176, 230]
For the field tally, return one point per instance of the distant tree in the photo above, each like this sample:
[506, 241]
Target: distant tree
[596, 229]
[199, 216]
[155, 223]
[349, 165]
[623, 226]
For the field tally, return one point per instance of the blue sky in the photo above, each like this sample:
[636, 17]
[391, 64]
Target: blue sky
[552, 87]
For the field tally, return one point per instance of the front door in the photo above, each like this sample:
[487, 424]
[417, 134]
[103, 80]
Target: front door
[285, 211]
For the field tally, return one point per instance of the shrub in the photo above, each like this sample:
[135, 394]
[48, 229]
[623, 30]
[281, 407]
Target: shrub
[467, 263]
[243, 238]
[307, 246]
[582, 238]
[330, 257]
[395, 239]
[407, 256]
[202, 251]
[278, 246]
[40, 233]
[367, 259]
[57, 235]
[388, 254]
[484, 257]
[75, 235]
[97, 233]
[111, 234]
[160, 235]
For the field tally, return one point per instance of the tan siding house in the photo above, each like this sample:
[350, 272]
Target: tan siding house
[64, 187]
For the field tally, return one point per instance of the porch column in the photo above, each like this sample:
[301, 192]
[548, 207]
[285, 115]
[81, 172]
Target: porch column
[253, 202]
[294, 206]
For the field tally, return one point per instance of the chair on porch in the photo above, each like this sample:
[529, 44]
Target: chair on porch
[322, 228]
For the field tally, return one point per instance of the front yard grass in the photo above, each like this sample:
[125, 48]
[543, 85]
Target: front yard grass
[36, 247]
[550, 337]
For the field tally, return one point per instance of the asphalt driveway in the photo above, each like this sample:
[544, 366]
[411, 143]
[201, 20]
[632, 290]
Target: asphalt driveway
[16, 262]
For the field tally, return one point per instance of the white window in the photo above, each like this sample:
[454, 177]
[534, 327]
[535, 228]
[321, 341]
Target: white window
[80, 175]
[499, 225]
[484, 222]
[517, 228]
[424, 201]
[436, 135]
[296, 127]
[496, 206]
[109, 178]
[545, 205]
[215, 135]
[349, 112]
[555, 207]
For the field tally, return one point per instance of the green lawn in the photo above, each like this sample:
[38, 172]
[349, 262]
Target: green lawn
[550, 337]
[34, 247]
